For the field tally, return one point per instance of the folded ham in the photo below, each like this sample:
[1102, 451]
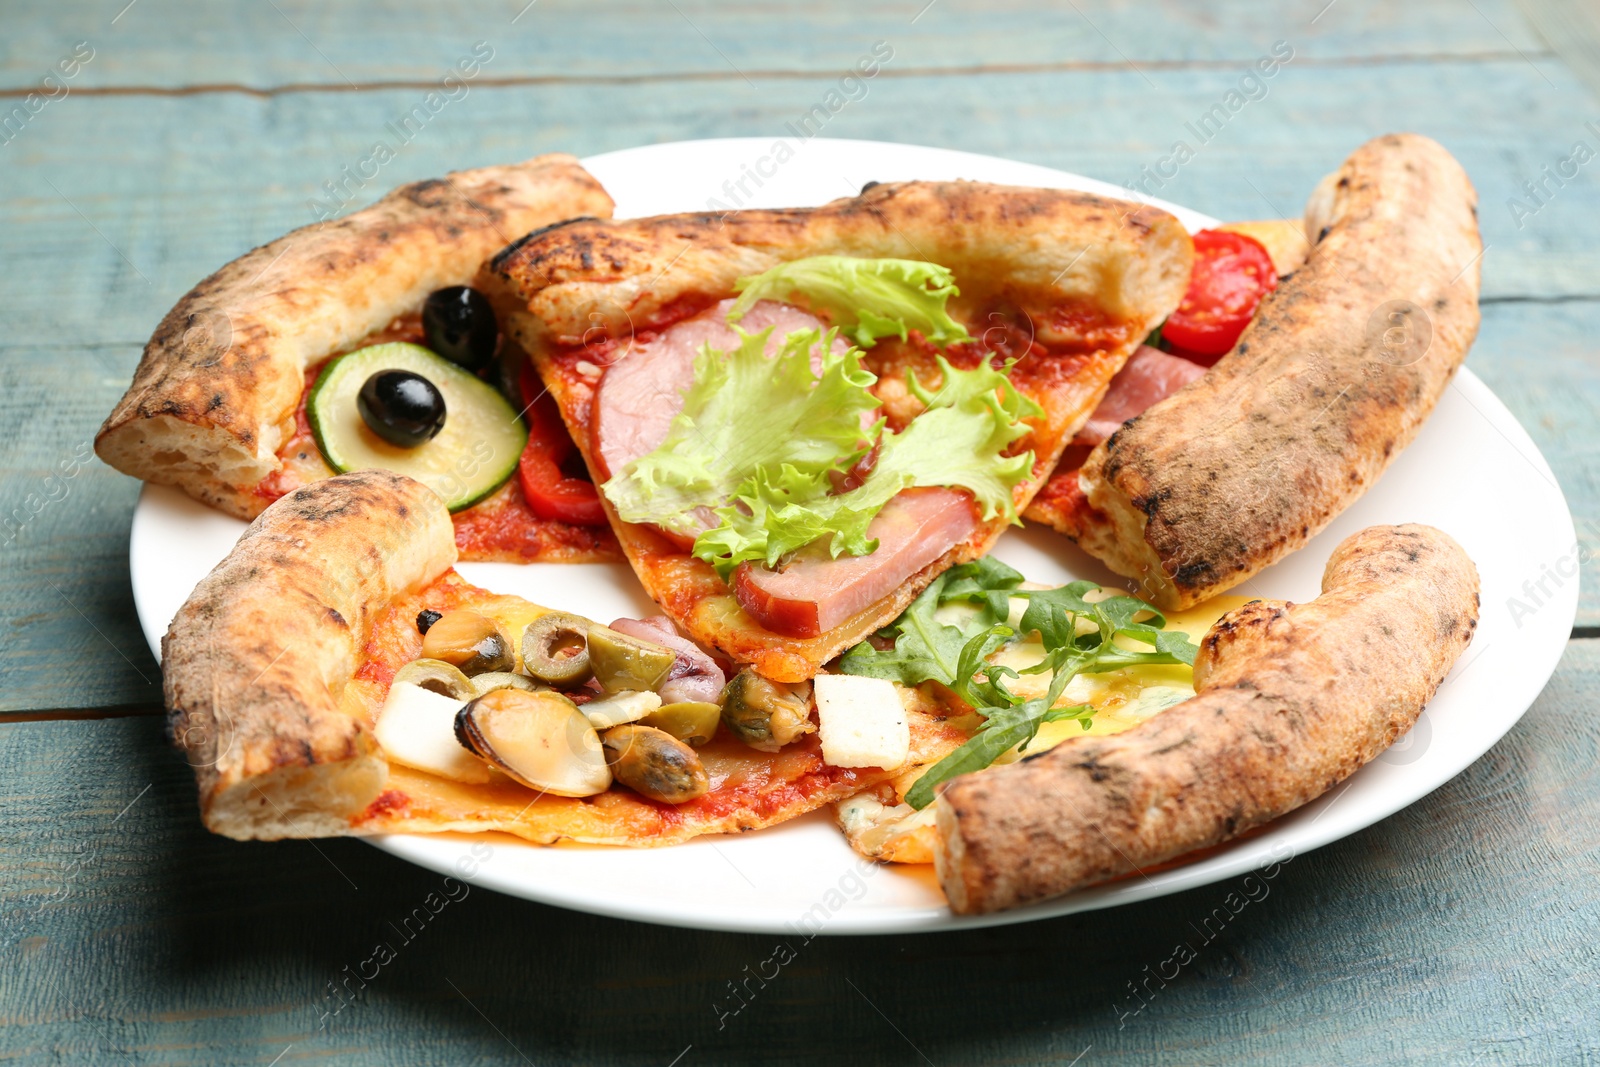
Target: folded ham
[1149, 375]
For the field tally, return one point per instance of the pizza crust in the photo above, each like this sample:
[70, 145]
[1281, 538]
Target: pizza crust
[215, 393]
[1291, 700]
[256, 660]
[1325, 387]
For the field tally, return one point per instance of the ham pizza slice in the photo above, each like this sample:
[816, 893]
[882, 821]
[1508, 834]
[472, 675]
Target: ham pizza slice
[800, 417]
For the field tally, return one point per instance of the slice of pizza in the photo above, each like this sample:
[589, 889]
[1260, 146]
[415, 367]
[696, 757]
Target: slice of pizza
[357, 342]
[801, 417]
[1201, 478]
[335, 676]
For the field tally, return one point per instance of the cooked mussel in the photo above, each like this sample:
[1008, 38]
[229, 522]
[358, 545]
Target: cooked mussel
[654, 763]
[555, 650]
[621, 662]
[540, 739]
[471, 642]
[437, 676]
[694, 722]
[764, 714]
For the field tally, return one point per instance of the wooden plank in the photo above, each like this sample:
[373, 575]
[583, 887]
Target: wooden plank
[191, 182]
[66, 606]
[171, 43]
[1571, 28]
[1461, 930]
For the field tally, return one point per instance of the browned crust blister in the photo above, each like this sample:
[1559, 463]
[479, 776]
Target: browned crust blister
[1341, 366]
[1291, 699]
[1036, 250]
[215, 393]
[256, 659]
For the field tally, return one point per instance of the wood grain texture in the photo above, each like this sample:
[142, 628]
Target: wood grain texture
[174, 43]
[1461, 930]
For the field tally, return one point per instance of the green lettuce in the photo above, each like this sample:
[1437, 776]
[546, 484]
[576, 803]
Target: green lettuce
[747, 413]
[959, 440]
[866, 298]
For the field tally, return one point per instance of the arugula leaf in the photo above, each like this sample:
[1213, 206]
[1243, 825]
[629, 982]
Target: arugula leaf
[1080, 636]
[926, 649]
[1006, 729]
[959, 440]
[866, 298]
[747, 413]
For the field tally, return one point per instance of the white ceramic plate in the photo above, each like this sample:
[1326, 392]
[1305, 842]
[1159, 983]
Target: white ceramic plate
[1472, 472]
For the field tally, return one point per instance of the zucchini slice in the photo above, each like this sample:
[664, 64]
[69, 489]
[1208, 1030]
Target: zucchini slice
[472, 456]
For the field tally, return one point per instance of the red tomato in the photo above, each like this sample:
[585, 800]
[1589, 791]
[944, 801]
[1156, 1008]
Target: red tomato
[549, 492]
[1232, 273]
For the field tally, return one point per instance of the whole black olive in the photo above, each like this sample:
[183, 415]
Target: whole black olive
[460, 326]
[401, 407]
[426, 618]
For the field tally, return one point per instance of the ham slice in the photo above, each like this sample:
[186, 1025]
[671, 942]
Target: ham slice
[642, 392]
[1148, 376]
[813, 593]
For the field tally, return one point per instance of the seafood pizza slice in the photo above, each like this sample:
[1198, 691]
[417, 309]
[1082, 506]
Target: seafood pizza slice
[335, 676]
[800, 418]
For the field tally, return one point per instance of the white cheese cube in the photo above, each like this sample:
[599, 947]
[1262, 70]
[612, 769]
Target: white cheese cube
[863, 722]
[417, 727]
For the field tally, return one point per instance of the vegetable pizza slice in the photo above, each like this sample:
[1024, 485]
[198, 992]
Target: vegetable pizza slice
[356, 342]
[799, 418]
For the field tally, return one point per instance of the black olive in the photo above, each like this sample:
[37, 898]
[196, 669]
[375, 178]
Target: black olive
[401, 407]
[460, 326]
[426, 618]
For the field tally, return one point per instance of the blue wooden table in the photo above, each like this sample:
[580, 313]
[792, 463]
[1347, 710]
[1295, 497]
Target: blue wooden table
[141, 146]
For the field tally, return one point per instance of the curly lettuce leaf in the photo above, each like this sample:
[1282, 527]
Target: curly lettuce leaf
[747, 413]
[865, 298]
[958, 441]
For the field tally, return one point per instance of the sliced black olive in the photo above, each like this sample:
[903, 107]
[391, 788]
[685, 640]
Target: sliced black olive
[460, 326]
[402, 407]
[426, 618]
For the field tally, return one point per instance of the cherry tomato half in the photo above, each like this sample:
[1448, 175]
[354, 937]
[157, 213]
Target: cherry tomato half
[1232, 273]
[549, 492]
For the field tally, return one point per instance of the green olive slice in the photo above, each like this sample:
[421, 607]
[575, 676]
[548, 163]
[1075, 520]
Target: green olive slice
[766, 715]
[437, 676]
[471, 642]
[694, 722]
[555, 649]
[655, 764]
[622, 662]
[488, 683]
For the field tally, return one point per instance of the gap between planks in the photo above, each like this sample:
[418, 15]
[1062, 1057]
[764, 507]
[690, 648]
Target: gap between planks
[513, 81]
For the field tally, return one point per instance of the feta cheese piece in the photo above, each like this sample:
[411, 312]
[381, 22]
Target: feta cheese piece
[417, 727]
[863, 722]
